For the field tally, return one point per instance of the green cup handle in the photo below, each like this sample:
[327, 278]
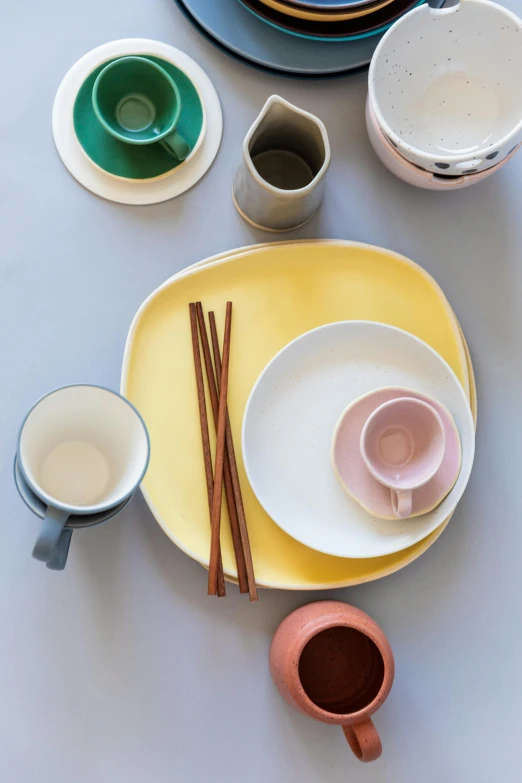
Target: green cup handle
[176, 145]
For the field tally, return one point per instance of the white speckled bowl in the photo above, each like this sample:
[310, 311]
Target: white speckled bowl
[414, 175]
[445, 86]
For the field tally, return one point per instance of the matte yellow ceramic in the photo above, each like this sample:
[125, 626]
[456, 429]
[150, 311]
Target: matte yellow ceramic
[323, 16]
[248, 248]
[279, 291]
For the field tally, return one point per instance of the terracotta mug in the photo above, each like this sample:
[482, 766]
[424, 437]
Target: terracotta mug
[332, 662]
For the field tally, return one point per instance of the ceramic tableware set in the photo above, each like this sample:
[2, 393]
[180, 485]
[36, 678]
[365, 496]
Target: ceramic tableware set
[402, 338]
[342, 21]
[377, 464]
[309, 406]
[308, 39]
[137, 121]
[320, 402]
[353, 405]
[82, 452]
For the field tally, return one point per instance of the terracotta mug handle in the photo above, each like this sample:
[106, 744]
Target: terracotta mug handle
[363, 740]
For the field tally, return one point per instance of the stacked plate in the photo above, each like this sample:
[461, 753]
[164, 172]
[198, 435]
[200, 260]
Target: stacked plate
[444, 100]
[344, 20]
[305, 38]
[135, 173]
[292, 374]
[308, 410]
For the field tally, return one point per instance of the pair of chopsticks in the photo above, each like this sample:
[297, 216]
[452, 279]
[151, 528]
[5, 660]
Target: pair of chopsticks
[225, 466]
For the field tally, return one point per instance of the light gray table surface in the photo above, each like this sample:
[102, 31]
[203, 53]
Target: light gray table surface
[121, 668]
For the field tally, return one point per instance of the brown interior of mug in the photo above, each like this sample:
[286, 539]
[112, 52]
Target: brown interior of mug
[341, 670]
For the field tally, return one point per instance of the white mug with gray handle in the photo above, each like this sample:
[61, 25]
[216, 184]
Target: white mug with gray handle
[82, 451]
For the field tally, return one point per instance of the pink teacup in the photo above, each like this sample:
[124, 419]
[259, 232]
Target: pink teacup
[403, 444]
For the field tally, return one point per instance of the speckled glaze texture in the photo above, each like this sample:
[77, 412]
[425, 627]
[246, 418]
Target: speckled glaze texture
[445, 86]
[286, 455]
[414, 175]
[286, 651]
[357, 480]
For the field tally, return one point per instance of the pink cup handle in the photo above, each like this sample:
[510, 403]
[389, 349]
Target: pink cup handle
[364, 740]
[401, 501]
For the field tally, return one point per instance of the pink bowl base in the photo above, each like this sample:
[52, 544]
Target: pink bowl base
[413, 175]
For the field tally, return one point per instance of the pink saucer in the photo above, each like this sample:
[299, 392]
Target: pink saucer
[353, 474]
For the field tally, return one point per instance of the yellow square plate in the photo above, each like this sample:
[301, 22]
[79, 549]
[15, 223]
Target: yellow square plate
[279, 291]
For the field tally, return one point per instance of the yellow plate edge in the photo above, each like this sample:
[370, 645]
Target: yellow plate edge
[318, 16]
[465, 359]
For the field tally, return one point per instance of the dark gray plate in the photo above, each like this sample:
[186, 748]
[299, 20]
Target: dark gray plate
[240, 34]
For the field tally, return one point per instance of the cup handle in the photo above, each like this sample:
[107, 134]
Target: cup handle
[52, 527]
[401, 501]
[58, 558]
[447, 7]
[363, 740]
[176, 145]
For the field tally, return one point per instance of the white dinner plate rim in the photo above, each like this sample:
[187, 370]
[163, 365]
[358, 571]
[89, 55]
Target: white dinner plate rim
[465, 468]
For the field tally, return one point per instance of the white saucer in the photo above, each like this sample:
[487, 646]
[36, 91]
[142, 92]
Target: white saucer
[135, 191]
[291, 416]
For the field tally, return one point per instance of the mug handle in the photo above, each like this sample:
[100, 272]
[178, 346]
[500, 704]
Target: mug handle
[58, 558]
[363, 740]
[176, 145]
[401, 500]
[52, 527]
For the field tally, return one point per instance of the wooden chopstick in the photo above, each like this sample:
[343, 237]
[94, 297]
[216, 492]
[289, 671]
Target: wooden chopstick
[243, 530]
[220, 458]
[229, 489]
[207, 457]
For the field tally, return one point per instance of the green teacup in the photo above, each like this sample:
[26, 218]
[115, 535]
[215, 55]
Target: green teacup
[138, 102]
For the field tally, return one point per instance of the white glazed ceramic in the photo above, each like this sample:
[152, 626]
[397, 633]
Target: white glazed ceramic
[413, 175]
[82, 451]
[445, 86]
[291, 416]
[83, 447]
[127, 191]
[281, 126]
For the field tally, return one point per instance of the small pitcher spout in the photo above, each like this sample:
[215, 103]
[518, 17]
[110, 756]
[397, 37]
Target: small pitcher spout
[286, 154]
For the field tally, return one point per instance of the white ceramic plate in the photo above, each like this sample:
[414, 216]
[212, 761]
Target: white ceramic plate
[290, 419]
[118, 189]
